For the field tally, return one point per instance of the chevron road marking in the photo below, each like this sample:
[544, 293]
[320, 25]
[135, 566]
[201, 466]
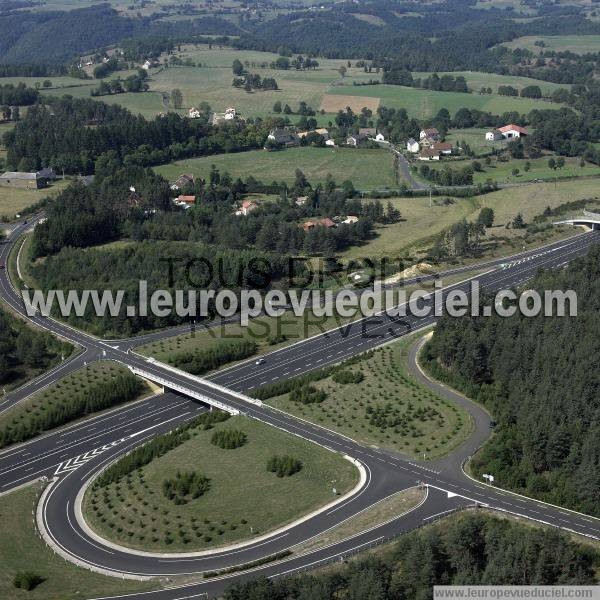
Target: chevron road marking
[82, 459]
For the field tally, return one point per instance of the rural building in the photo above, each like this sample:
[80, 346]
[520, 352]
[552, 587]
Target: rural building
[182, 181]
[247, 207]
[326, 222]
[194, 113]
[429, 154]
[29, 181]
[494, 135]
[229, 115]
[356, 139]
[321, 131]
[412, 145]
[283, 137]
[371, 133]
[47, 173]
[330, 142]
[442, 148]
[350, 220]
[432, 134]
[301, 200]
[185, 201]
[512, 131]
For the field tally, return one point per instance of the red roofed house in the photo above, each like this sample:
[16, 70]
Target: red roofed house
[512, 131]
[326, 222]
[247, 207]
[185, 201]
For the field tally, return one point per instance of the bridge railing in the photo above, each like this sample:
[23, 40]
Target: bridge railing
[184, 390]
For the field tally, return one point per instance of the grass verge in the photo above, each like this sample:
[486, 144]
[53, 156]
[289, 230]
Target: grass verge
[22, 550]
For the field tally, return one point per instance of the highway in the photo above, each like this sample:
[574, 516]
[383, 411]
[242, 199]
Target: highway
[74, 455]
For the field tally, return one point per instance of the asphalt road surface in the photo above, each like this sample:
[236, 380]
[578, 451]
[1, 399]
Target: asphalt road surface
[73, 455]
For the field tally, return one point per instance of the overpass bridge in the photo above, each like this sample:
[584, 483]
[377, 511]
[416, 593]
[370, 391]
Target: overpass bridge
[183, 389]
[587, 219]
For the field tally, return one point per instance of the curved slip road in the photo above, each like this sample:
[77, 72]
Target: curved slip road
[388, 472]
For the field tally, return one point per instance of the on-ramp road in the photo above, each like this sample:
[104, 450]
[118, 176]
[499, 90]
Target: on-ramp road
[77, 453]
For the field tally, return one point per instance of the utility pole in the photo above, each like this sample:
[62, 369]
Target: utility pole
[430, 198]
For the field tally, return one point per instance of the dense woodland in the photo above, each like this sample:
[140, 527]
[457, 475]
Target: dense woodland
[25, 351]
[539, 378]
[474, 549]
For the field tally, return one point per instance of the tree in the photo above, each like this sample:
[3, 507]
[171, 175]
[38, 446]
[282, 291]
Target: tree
[515, 172]
[342, 71]
[277, 107]
[486, 216]
[552, 163]
[237, 67]
[518, 222]
[560, 162]
[527, 167]
[176, 98]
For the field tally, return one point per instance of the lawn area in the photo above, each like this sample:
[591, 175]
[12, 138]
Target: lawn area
[422, 104]
[244, 499]
[387, 408]
[61, 392]
[476, 80]
[14, 200]
[579, 44]
[23, 550]
[365, 168]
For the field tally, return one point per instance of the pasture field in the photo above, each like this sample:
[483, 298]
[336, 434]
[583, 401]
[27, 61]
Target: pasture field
[502, 172]
[244, 500]
[579, 44]
[421, 223]
[366, 168]
[387, 408]
[476, 80]
[475, 138]
[423, 104]
[13, 200]
[320, 88]
[22, 549]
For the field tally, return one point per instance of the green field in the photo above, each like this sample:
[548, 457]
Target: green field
[502, 172]
[579, 44]
[14, 200]
[23, 550]
[244, 499]
[365, 168]
[422, 104]
[476, 80]
[412, 420]
[211, 83]
[419, 222]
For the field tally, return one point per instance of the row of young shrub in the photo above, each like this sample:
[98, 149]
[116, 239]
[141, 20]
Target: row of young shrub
[157, 447]
[198, 362]
[96, 397]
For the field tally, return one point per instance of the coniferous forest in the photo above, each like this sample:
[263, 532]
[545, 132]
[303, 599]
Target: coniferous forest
[539, 378]
[474, 549]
